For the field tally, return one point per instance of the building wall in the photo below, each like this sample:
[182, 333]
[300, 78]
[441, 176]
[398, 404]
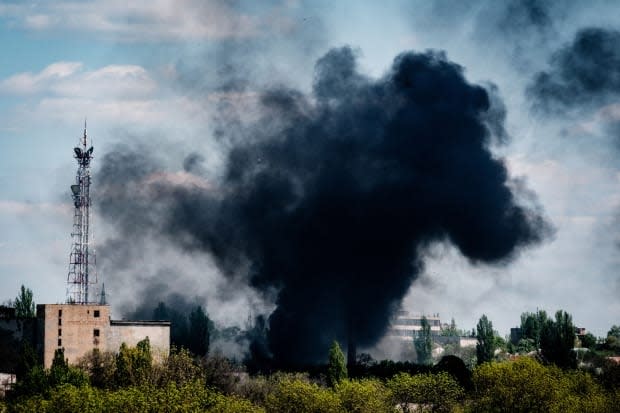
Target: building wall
[76, 328]
[7, 381]
[405, 326]
[131, 332]
[81, 328]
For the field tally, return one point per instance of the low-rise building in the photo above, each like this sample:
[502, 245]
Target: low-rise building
[79, 329]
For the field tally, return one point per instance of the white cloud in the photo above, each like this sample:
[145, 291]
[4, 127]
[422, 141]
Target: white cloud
[117, 95]
[28, 83]
[146, 20]
[67, 79]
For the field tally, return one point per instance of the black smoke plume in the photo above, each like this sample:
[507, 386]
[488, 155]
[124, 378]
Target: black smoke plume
[332, 201]
[584, 73]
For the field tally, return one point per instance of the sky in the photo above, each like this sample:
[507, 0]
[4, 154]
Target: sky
[167, 74]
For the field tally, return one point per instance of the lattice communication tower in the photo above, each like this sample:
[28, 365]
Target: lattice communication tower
[82, 271]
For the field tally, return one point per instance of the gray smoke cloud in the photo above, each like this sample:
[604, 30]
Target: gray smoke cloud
[583, 73]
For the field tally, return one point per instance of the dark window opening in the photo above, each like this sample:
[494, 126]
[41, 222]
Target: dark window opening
[96, 332]
[59, 313]
[59, 342]
[96, 313]
[60, 321]
[59, 332]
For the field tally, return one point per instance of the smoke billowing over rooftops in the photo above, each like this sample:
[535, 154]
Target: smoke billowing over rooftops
[329, 200]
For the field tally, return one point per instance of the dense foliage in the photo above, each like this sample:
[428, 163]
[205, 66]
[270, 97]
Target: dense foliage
[24, 303]
[336, 366]
[546, 380]
[528, 386]
[183, 383]
[485, 346]
[557, 340]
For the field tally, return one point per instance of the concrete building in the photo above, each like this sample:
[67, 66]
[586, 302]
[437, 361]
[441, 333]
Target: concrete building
[7, 381]
[78, 329]
[405, 326]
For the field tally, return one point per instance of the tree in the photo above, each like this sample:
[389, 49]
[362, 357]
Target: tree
[179, 368]
[486, 340]
[588, 341]
[525, 345]
[292, 394]
[438, 392]
[199, 327]
[612, 342]
[100, 367]
[336, 365]
[451, 330]
[24, 304]
[133, 365]
[424, 343]
[364, 396]
[557, 340]
[531, 326]
[179, 330]
[60, 368]
[525, 385]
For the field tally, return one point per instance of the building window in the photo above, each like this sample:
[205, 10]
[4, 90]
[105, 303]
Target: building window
[59, 342]
[96, 313]
[60, 321]
[59, 332]
[96, 332]
[59, 313]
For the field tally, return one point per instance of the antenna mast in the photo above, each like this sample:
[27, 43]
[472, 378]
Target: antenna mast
[81, 261]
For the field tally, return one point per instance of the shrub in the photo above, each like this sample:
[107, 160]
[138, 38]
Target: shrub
[300, 396]
[364, 396]
[525, 385]
[437, 392]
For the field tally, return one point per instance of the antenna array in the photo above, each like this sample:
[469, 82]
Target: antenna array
[82, 270]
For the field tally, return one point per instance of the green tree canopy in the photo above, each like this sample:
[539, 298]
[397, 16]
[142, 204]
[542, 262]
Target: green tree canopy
[588, 341]
[525, 385]
[557, 340]
[424, 343]
[24, 304]
[133, 364]
[485, 347]
[199, 327]
[531, 326]
[336, 365]
[439, 391]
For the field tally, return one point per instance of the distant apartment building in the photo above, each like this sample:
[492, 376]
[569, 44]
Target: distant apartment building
[405, 326]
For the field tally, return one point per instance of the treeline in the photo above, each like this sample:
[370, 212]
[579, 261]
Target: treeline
[538, 372]
[130, 382]
[552, 339]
